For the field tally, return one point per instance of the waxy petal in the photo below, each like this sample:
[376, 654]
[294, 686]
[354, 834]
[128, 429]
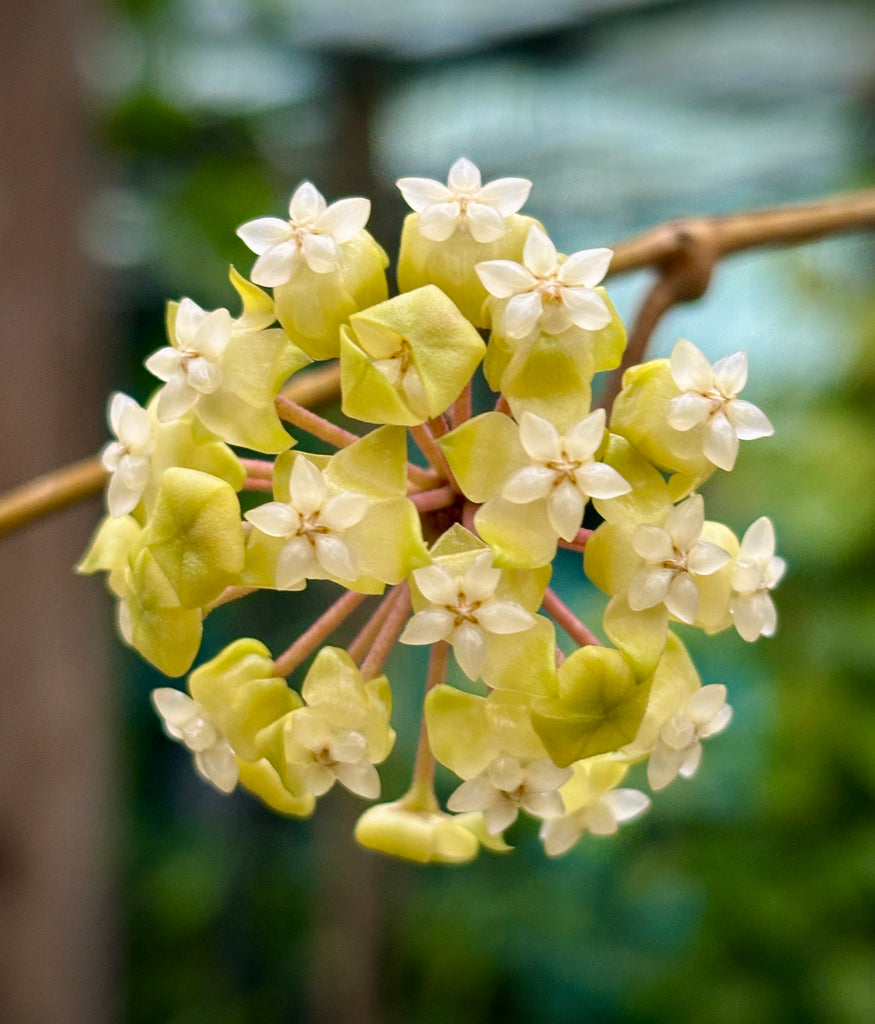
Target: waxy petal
[307, 487]
[758, 542]
[522, 315]
[706, 558]
[507, 195]
[464, 177]
[684, 522]
[439, 222]
[429, 626]
[275, 518]
[721, 442]
[344, 510]
[587, 267]
[344, 219]
[584, 438]
[539, 438]
[503, 278]
[360, 778]
[189, 317]
[586, 310]
[652, 543]
[306, 204]
[213, 334]
[321, 253]
[485, 223]
[648, 588]
[276, 265]
[529, 484]
[690, 369]
[598, 480]
[504, 617]
[682, 599]
[565, 507]
[334, 556]
[420, 193]
[296, 562]
[688, 410]
[539, 253]
[176, 398]
[469, 648]
[730, 374]
[264, 233]
[164, 364]
[749, 421]
[437, 585]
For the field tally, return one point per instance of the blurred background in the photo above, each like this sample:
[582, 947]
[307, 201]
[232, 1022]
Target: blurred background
[136, 136]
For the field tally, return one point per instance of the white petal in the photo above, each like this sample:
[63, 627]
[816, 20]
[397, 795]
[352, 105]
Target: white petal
[473, 795]
[543, 776]
[296, 562]
[503, 278]
[750, 422]
[746, 617]
[767, 613]
[318, 778]
[648, 588]
[360, 778]
[718, 723]
[275, 518]
[485, 223]
[121, 499]
[163, 364]
[774, 572]
[706, 558]
[306, 204]
[522, 314]
[582, 440]
[501, 815]
[307, 486]
[344, 510]
[390, 369]
[199, 733]
[543, 805]
[419, 193]
[688, 410]
[506, 773]
[746, 577]
[721, 441]
[344, 219]
[189, 317]
[529, 484]
[730, 374]
[480, 579]
[684, 522]
[586, 310]
[504, 617]
[565, 507]
[464, 177]
[204, 375]
[437, 584]
[470, 649]
[439, 222]
[277, 265]
[506, 195]
[174, 707]
[704, 704]
[600, 819]
[627, 803]
[560, 834]
[176, 398]
[539, 438]
[212, 336]
[690, 369]
[218, 765]
[347, 746]
[259, 235]
[758, 543]
[118, 404]
[663, 766]
[682, 599]
[429, 626]
[539, 253]
[135, 428]
[321, 253]
[334, 556]
[692, 760]
[678, 732]
[652, 543]
[587, 267]
[134, 471]
[599, 480]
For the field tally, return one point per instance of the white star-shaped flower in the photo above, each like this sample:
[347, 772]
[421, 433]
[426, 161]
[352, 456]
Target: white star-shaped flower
[546, 293]
[563, 470]
[313, 524]
[673, 555]
[678, 749]
[601, 816]
[312, 235]
[464, 203]
[337, 754]
[755, 572]
[186, 721]
[464, 608]
[509, 784]
[128, 459]
[401, 372]
[710, 398]
[190, 367]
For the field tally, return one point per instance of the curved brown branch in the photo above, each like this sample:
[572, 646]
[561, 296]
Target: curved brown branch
[684, 253]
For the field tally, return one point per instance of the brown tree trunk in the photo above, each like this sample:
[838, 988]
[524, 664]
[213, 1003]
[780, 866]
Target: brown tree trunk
[54, 876]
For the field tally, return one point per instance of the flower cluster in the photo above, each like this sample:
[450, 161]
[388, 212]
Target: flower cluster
[453, 550]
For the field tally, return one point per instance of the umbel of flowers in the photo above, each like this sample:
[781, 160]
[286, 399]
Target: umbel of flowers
[453, 550]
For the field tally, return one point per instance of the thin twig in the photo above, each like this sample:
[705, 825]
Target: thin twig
[422, 785]
[368, 633]
[50, 492]
[578, 543]
[566, 618]
[383, 643]
[321, 629]
[437, 497]
[319, 427]
[427, 444]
